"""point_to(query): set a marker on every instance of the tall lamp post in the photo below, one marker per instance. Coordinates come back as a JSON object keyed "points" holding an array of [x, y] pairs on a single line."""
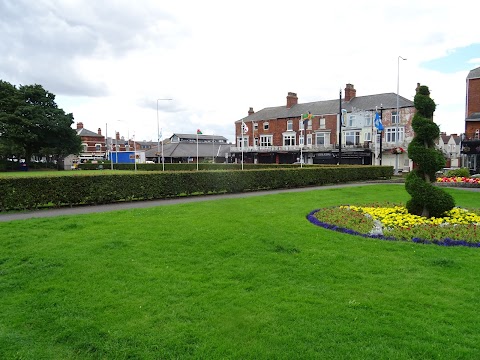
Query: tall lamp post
{"points": [[158, 137], [340, 126], [397, 135]]}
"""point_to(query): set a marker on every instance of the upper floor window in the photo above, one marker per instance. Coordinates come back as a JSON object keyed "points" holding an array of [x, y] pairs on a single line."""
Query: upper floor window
{"points": [[351, 120], [309, 139], [265, 125], [242, 141], [84, 147], [288, 140], [367, 136], [322, 123], [290, 125], [255, 126], [98, 147], [266, 140], [301, 124], [391, 135], [394, 117], [368, 119], [352, 137]]}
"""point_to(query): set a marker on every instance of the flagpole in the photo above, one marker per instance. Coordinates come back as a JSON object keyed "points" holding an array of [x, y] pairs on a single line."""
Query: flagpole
{"points": [[241, 126], [301, 145]]}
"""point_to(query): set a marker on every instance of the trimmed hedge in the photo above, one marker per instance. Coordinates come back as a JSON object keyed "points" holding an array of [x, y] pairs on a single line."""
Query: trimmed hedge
{"points": [[106, 165], [30, 193]]}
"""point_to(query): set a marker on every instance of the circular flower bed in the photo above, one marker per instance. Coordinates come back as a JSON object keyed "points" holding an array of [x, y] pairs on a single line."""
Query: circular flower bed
{"points": [[457, 226]]}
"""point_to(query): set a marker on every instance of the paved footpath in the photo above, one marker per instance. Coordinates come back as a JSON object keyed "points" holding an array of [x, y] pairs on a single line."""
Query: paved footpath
{"points": [[44, 213]]}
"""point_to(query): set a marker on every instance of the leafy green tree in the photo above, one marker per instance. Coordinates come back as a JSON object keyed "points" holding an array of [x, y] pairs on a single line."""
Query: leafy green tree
{"points": [[426, 199], [30, 120]]}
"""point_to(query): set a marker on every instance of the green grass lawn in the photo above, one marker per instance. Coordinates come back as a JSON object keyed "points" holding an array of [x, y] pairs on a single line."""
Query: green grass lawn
{"points": [[246, 278]]}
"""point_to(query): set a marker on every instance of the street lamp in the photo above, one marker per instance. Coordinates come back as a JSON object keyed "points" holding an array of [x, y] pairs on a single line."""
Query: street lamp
{"points": [[158, 137], [397, 135]]}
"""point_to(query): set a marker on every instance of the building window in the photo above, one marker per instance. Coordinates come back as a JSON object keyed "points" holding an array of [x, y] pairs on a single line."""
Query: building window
{"points": [[265, 126], [300, 140], [256, 141], [309, 124], [352, 138], [351, 120], [84, 147], [309, 140], [391, 135], [266, 140], [320, 139], [98, 147], [368, 119], [288, 140], [255, 126], [322, 123], [367, 136], [394, 118], [290, 125], [242, 141]]}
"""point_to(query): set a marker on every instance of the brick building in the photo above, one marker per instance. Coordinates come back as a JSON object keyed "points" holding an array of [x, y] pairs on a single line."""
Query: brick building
{"points": [[471, 138], [277, 134], [93, 144]]}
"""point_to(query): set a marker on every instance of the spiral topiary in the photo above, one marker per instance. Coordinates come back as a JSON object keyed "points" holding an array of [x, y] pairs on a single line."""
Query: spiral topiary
{"points": [[427, 200]]}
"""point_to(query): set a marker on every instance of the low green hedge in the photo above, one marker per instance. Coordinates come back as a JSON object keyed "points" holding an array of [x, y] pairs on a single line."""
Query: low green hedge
{"points": [[30, 193], [106, 165]]}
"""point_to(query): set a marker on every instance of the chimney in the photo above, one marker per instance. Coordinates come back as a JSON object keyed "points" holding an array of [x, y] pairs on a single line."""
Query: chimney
{"points": [[79, 125], [99, 131], [117, 136], [250, 111], [350, 92], [292, 99]]}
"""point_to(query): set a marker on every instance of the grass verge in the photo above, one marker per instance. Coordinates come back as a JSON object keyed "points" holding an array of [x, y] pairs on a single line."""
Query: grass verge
{"points": [[234, 279]]}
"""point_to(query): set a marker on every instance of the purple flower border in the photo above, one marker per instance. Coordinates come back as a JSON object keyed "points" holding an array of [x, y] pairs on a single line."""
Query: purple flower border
{"points": [[444, 242]]}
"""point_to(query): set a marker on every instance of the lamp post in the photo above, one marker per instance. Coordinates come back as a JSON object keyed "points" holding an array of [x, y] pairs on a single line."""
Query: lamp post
{"points": [[397, 135], [158, 137]]}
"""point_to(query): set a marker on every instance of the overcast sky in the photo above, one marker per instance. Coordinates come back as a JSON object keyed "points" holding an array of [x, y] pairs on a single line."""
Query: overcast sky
{"points": [[109, 61]]}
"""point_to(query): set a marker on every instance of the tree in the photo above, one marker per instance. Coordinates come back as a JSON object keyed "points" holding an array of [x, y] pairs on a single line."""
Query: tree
{"points": [[427, 200], [30, 120]]}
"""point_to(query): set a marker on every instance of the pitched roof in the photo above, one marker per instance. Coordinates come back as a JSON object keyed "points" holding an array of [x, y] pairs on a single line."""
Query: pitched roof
{"points": [[182, 150], [200, 137], [85, 132], [474, 74], [369, 102]]}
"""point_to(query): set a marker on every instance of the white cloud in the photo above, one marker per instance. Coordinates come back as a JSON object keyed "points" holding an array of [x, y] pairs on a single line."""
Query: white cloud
{"points": [[112, 60]]}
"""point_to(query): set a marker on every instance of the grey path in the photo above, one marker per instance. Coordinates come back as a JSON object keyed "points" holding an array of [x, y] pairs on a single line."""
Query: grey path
{"points": [[145, 204]]}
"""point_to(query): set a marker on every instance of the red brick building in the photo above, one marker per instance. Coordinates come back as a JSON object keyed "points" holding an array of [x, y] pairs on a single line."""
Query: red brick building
{"points": [[277, 134], [471, 140], [93, 144]]}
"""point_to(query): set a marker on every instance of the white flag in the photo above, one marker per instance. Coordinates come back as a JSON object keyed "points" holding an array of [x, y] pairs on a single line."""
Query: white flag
{"points": [[244, 127]]}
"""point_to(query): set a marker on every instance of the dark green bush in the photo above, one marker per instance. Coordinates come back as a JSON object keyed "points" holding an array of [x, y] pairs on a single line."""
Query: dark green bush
{"points": [[462, 172], [426, 200], [34, 192]]}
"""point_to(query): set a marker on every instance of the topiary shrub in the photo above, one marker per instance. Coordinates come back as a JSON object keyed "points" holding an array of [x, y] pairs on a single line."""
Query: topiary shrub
{"points": [[427, 200]]}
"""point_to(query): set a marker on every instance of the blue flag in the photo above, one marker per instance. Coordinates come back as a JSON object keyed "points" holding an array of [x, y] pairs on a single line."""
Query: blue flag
{"points": [[378, 122]]}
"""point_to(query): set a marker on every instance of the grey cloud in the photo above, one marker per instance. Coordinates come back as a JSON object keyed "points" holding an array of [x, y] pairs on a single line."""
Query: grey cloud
{"points": [[43, 39]]}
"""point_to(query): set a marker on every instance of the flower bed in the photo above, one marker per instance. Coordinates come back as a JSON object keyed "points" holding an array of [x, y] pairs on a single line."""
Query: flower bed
{"points": [[460, 181], [457, 226]]}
